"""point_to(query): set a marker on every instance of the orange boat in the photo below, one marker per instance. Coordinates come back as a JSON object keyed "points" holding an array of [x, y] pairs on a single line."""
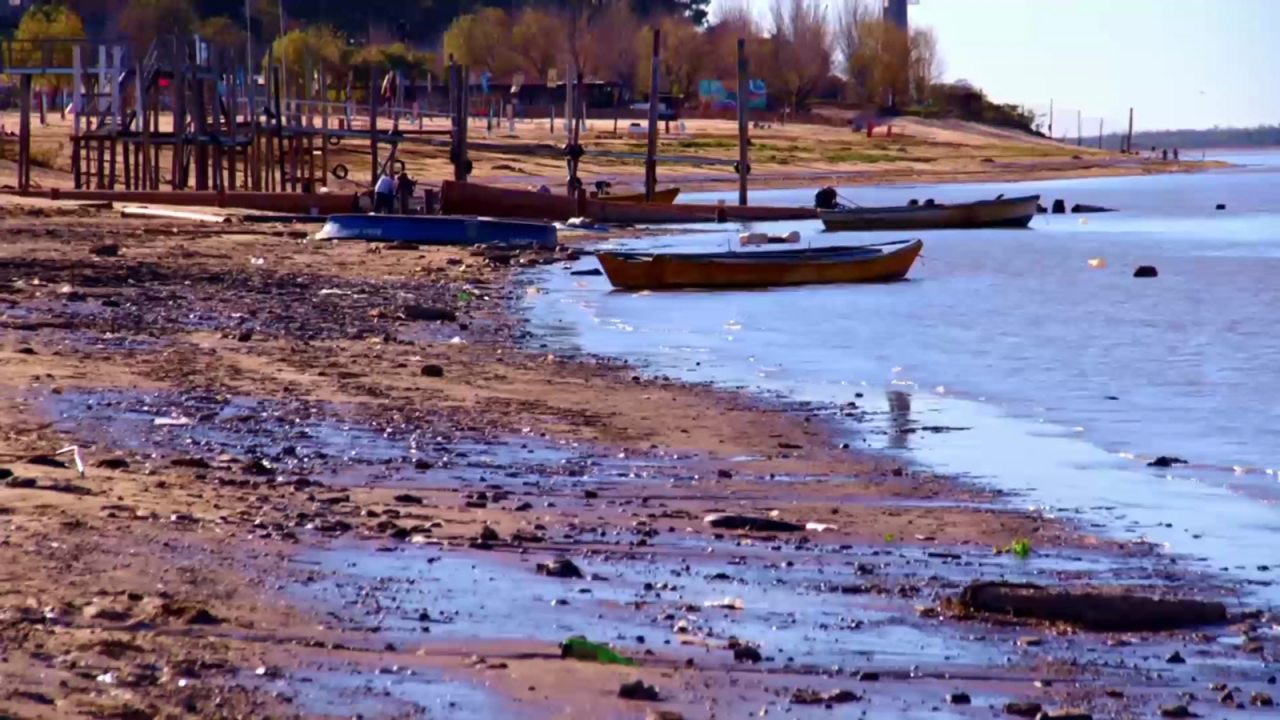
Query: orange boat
{"points": [[660, 197], [722, 270]]}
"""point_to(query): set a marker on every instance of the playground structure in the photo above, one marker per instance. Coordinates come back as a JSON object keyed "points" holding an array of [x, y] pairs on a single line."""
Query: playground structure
{"points": [[201, 115]]}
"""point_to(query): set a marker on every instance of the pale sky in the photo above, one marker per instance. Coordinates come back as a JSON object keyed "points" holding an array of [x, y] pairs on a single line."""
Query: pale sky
{"points": [[1179, 63]]}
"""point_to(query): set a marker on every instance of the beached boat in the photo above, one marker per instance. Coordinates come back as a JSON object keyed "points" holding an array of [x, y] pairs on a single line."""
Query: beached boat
{"points": [[1000, 212], [474, 199], [771, 268], [438, 230], [660, 197]]}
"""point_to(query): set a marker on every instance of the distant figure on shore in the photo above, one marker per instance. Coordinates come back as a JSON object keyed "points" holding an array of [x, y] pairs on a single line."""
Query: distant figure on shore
{"points": [[1175, 154], [1164, 154], [404, 191], [384, 195]]}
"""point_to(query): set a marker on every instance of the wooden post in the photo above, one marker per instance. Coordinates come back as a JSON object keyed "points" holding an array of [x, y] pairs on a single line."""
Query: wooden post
{"points": [[743, 167], [458, 92], [117, 107], [179, 125], [1051, 119], [218, 155], [233, 122], [651, 153], [279, 148], [324, 119], [201, 117], [1129, 141], [1099, 133], [24, 134], [1079, 129], [373, 126], [251, 99], [77, 104]]}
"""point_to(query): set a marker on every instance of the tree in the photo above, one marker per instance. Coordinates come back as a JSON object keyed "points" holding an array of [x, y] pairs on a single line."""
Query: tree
{"points": [[145, 20], [797, 55], [321, 47], [682, 54], [48, 23], [924, 66], [481, 41], [222, 33], [610, 52], [733, 21], [535, 38]]}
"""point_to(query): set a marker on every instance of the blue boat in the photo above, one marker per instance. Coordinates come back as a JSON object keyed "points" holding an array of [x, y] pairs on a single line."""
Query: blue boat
{"points": [[439, 230]]}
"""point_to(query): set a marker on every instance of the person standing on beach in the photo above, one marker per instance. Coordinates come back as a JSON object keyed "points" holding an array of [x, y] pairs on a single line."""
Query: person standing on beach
{"points": [[384, 195], [404, 192]]}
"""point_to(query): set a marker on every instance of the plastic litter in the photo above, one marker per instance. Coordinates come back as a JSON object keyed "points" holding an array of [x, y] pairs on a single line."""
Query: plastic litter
{"points": [[578, 647], [729, 603], [75, 453]]}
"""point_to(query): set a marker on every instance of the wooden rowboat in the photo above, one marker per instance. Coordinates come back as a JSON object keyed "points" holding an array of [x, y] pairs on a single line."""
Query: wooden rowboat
{"points": [[1001, 212], [669, 271], [660, 197], [474, 199], [438, 230]]}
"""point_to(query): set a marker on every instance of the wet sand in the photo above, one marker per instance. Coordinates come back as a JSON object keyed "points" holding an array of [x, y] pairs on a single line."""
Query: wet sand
{"points": [[301, 497]]}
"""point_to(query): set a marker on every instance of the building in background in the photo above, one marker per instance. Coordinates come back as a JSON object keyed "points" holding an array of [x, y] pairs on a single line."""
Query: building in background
{"points": [[895, 11]]}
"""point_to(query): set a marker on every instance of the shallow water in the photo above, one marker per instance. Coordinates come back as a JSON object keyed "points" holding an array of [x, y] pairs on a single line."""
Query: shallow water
{"points": [[1067, 378]]}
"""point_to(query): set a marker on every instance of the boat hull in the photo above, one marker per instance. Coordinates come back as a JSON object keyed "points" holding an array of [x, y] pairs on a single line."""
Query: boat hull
{"points": [[438, 230], [630, 271], [660, 197], [473, 199], [1004, 212]]}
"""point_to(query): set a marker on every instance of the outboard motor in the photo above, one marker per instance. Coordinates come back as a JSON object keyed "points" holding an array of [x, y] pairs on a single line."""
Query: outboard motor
{"points": [[826, 199]]}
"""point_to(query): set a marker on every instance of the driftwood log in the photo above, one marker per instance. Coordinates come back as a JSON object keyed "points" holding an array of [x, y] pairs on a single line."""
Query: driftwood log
{"points": [[1089, 610]]}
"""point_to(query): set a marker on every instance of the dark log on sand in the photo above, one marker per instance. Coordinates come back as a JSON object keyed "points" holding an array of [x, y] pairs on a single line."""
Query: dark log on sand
{"points": [[1103, 612]]}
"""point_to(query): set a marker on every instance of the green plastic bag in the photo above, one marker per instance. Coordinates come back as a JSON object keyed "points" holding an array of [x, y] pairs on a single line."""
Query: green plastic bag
{"points": [[578, 647]]}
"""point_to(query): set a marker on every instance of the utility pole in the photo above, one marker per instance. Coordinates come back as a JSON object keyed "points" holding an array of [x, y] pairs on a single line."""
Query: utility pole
{"points": [[1079, 128], [1051, 118], [1099, 133], [1129, 143]]}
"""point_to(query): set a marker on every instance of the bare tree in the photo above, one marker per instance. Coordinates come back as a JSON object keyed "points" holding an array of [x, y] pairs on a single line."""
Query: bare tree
{"points": [[611, 48], [799, 50], [925, 65], [851, 15]]}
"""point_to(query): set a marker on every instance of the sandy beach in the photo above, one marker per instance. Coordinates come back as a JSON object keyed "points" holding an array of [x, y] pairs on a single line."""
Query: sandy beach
{"points": [[319, 479]]}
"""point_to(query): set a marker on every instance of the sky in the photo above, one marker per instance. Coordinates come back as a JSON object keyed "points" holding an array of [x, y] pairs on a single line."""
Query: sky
{"points": [[1178, 63]]}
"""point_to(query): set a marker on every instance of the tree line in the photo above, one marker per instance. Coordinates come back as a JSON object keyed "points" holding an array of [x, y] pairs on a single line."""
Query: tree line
{"points": [[804, 51]]}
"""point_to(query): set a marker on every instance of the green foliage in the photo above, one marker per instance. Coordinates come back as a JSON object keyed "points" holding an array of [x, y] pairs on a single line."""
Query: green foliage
{"points": [[399, 58], [47, 23], [1020, 547], [481, 41], [322, 46], [145, 20], [962, 101], [222, 33]]}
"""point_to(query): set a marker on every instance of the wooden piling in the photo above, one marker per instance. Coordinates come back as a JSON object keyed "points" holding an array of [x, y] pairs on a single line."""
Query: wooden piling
{"points": [[24, 134], [279, 144], [201, 117], [744, 168], [1129, 141], [178, 178], [373, 126], [324, 119], [651, 161]]}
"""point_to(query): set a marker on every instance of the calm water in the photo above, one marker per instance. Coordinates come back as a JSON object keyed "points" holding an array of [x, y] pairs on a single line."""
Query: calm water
{"points": [[1066, 378]]}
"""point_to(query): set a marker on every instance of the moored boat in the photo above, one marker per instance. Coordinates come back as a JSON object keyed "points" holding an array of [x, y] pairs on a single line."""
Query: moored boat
{"points": [[670, 271], [459, 198], [1000, 212], [438, 230], [660, 197]]}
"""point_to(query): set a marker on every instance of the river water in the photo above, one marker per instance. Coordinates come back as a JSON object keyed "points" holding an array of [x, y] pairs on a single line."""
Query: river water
{"points": [[1053, 378]]}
